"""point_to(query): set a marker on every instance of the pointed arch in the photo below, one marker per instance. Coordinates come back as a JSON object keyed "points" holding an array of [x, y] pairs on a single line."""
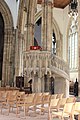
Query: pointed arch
{"points": [[6, 13], [72, 43], [8, 53], [56, 31]]}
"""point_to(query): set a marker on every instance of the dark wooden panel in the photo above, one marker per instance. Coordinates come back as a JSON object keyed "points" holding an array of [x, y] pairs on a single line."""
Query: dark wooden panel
{"points": [[19, 81]]}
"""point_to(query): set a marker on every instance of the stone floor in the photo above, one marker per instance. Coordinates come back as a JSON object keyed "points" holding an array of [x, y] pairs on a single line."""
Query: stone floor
{"points": [[31, 116]]}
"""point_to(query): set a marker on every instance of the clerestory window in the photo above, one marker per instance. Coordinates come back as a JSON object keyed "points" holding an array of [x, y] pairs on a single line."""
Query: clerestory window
{"points": [[73, 46]]}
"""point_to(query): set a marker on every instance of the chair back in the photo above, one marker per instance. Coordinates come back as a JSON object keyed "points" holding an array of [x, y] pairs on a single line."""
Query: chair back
{"points": [[68, 108], [54, 103], [46, 93], [62, 102], [46, 99], [54, 96], [77, 107], [60, 96], [29, 99], [71, 99], [38, 98]]}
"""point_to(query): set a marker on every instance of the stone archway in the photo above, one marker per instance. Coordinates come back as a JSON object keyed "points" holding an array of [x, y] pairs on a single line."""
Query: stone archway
{"points": [[8, 52], [1, 43], [56, 30]]}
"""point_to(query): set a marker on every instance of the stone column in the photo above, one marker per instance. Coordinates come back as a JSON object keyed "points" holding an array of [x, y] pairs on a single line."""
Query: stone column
{"points": [[47, 8], [31, 9], [61, 85], [8, 58], [79, 46], [17, 53]]}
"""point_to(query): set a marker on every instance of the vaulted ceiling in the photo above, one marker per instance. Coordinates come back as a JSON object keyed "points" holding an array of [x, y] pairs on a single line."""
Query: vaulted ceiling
{"points": [[58, 3]]}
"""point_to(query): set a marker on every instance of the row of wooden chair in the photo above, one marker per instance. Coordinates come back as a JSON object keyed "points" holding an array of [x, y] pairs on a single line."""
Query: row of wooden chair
{"points": [[57, 105], [64, 108], [11, 99], [55, 96], [44, 102], [69, 111], [33, 101]]}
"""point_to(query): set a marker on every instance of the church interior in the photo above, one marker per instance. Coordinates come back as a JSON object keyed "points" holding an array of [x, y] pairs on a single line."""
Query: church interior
{"points": [[40, 48]]}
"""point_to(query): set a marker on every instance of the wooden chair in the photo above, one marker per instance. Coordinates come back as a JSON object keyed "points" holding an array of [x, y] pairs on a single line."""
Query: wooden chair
{"points": [[45, 103], [8, 100], [46, 99], [61, 103], [12, 100], [60, 96], [46, 93], [27, 102], [54, 104], [3, 101], [3, 96], [54, 96], [38, 101], [66, 113], [71, 99], [20, 96], [15, 92], [76, 110]]}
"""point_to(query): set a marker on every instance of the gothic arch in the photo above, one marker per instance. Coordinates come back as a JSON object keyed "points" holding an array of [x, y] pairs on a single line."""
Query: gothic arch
{"points": [[69, 23], [5, 11], [57, 33], [7, 70]]}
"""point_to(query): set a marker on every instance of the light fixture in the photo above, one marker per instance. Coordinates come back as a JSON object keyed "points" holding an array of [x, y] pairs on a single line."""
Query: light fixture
{"points": [[73, 10]]}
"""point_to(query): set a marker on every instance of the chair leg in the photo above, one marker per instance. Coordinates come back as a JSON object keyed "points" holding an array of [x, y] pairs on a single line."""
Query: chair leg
{"points": [[9, 108], [1, 110], [71, 118], [49, 116], [35, 109], [61, 118], [79, 117], [24, 111], [17, 111]]}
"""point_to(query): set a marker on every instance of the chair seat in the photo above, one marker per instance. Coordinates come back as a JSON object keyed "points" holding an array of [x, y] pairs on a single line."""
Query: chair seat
{"points": [[60, 113], [76, 112]]}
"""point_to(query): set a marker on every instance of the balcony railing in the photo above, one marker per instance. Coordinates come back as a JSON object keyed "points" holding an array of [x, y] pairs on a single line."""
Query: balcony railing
{"points": [[43, 60]]}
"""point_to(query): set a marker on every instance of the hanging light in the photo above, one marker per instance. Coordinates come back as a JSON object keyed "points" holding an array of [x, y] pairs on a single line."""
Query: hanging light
{"points": [[73, 10]]}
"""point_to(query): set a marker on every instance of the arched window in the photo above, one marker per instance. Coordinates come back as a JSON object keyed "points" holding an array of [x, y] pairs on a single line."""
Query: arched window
{"points": [[53, 44], [1, 43], [37, 33], [37, 36], [73, 46]]}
